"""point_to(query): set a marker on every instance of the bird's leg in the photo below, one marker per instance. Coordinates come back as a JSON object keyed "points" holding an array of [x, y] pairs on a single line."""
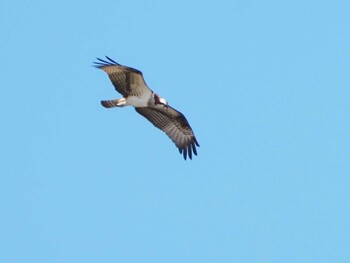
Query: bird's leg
{"points": [[114, 103], [121, 102]]}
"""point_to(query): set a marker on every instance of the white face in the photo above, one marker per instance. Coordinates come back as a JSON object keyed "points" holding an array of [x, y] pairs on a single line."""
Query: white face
{"points": [[163, 101]]}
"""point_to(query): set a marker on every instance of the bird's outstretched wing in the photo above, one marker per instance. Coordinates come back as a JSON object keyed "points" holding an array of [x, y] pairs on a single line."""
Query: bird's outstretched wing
{"points": [[175, 125], [126, 80]]}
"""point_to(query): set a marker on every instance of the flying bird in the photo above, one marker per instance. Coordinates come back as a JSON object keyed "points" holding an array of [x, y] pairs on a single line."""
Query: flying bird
{"points": [[129, 82]]}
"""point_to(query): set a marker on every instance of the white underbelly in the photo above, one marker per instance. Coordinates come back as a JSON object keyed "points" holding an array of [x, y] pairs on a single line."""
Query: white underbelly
{"points": [[137, 101]]}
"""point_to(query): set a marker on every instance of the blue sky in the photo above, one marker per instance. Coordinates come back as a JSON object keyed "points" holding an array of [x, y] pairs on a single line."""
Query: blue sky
{"points": [[265, 86]]}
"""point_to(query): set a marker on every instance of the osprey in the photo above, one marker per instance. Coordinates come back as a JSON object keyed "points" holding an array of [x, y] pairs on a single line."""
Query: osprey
{"points": [[130, 83]]}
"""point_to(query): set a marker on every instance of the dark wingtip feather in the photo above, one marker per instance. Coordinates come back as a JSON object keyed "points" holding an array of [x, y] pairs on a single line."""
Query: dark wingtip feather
{"points": [[194, 148], [189, 151], [196, 142], [185, 153], [101, 62], [98, 64], [112, 60]]}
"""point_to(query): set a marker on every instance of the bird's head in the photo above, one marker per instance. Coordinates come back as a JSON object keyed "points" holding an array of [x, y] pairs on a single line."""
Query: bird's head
{"points": [[163, 101], [159, 100]]}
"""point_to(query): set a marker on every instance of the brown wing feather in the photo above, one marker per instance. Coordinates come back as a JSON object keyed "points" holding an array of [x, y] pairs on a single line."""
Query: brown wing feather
{"points": [[126, 80], [175, 125]]}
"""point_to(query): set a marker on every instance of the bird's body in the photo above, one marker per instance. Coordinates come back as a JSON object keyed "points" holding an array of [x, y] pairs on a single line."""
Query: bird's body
{"points": [[130, 83], [138, 101]]}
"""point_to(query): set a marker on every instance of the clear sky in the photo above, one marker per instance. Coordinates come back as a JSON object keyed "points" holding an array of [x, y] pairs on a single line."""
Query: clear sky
{"points": [[264, 84]]}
